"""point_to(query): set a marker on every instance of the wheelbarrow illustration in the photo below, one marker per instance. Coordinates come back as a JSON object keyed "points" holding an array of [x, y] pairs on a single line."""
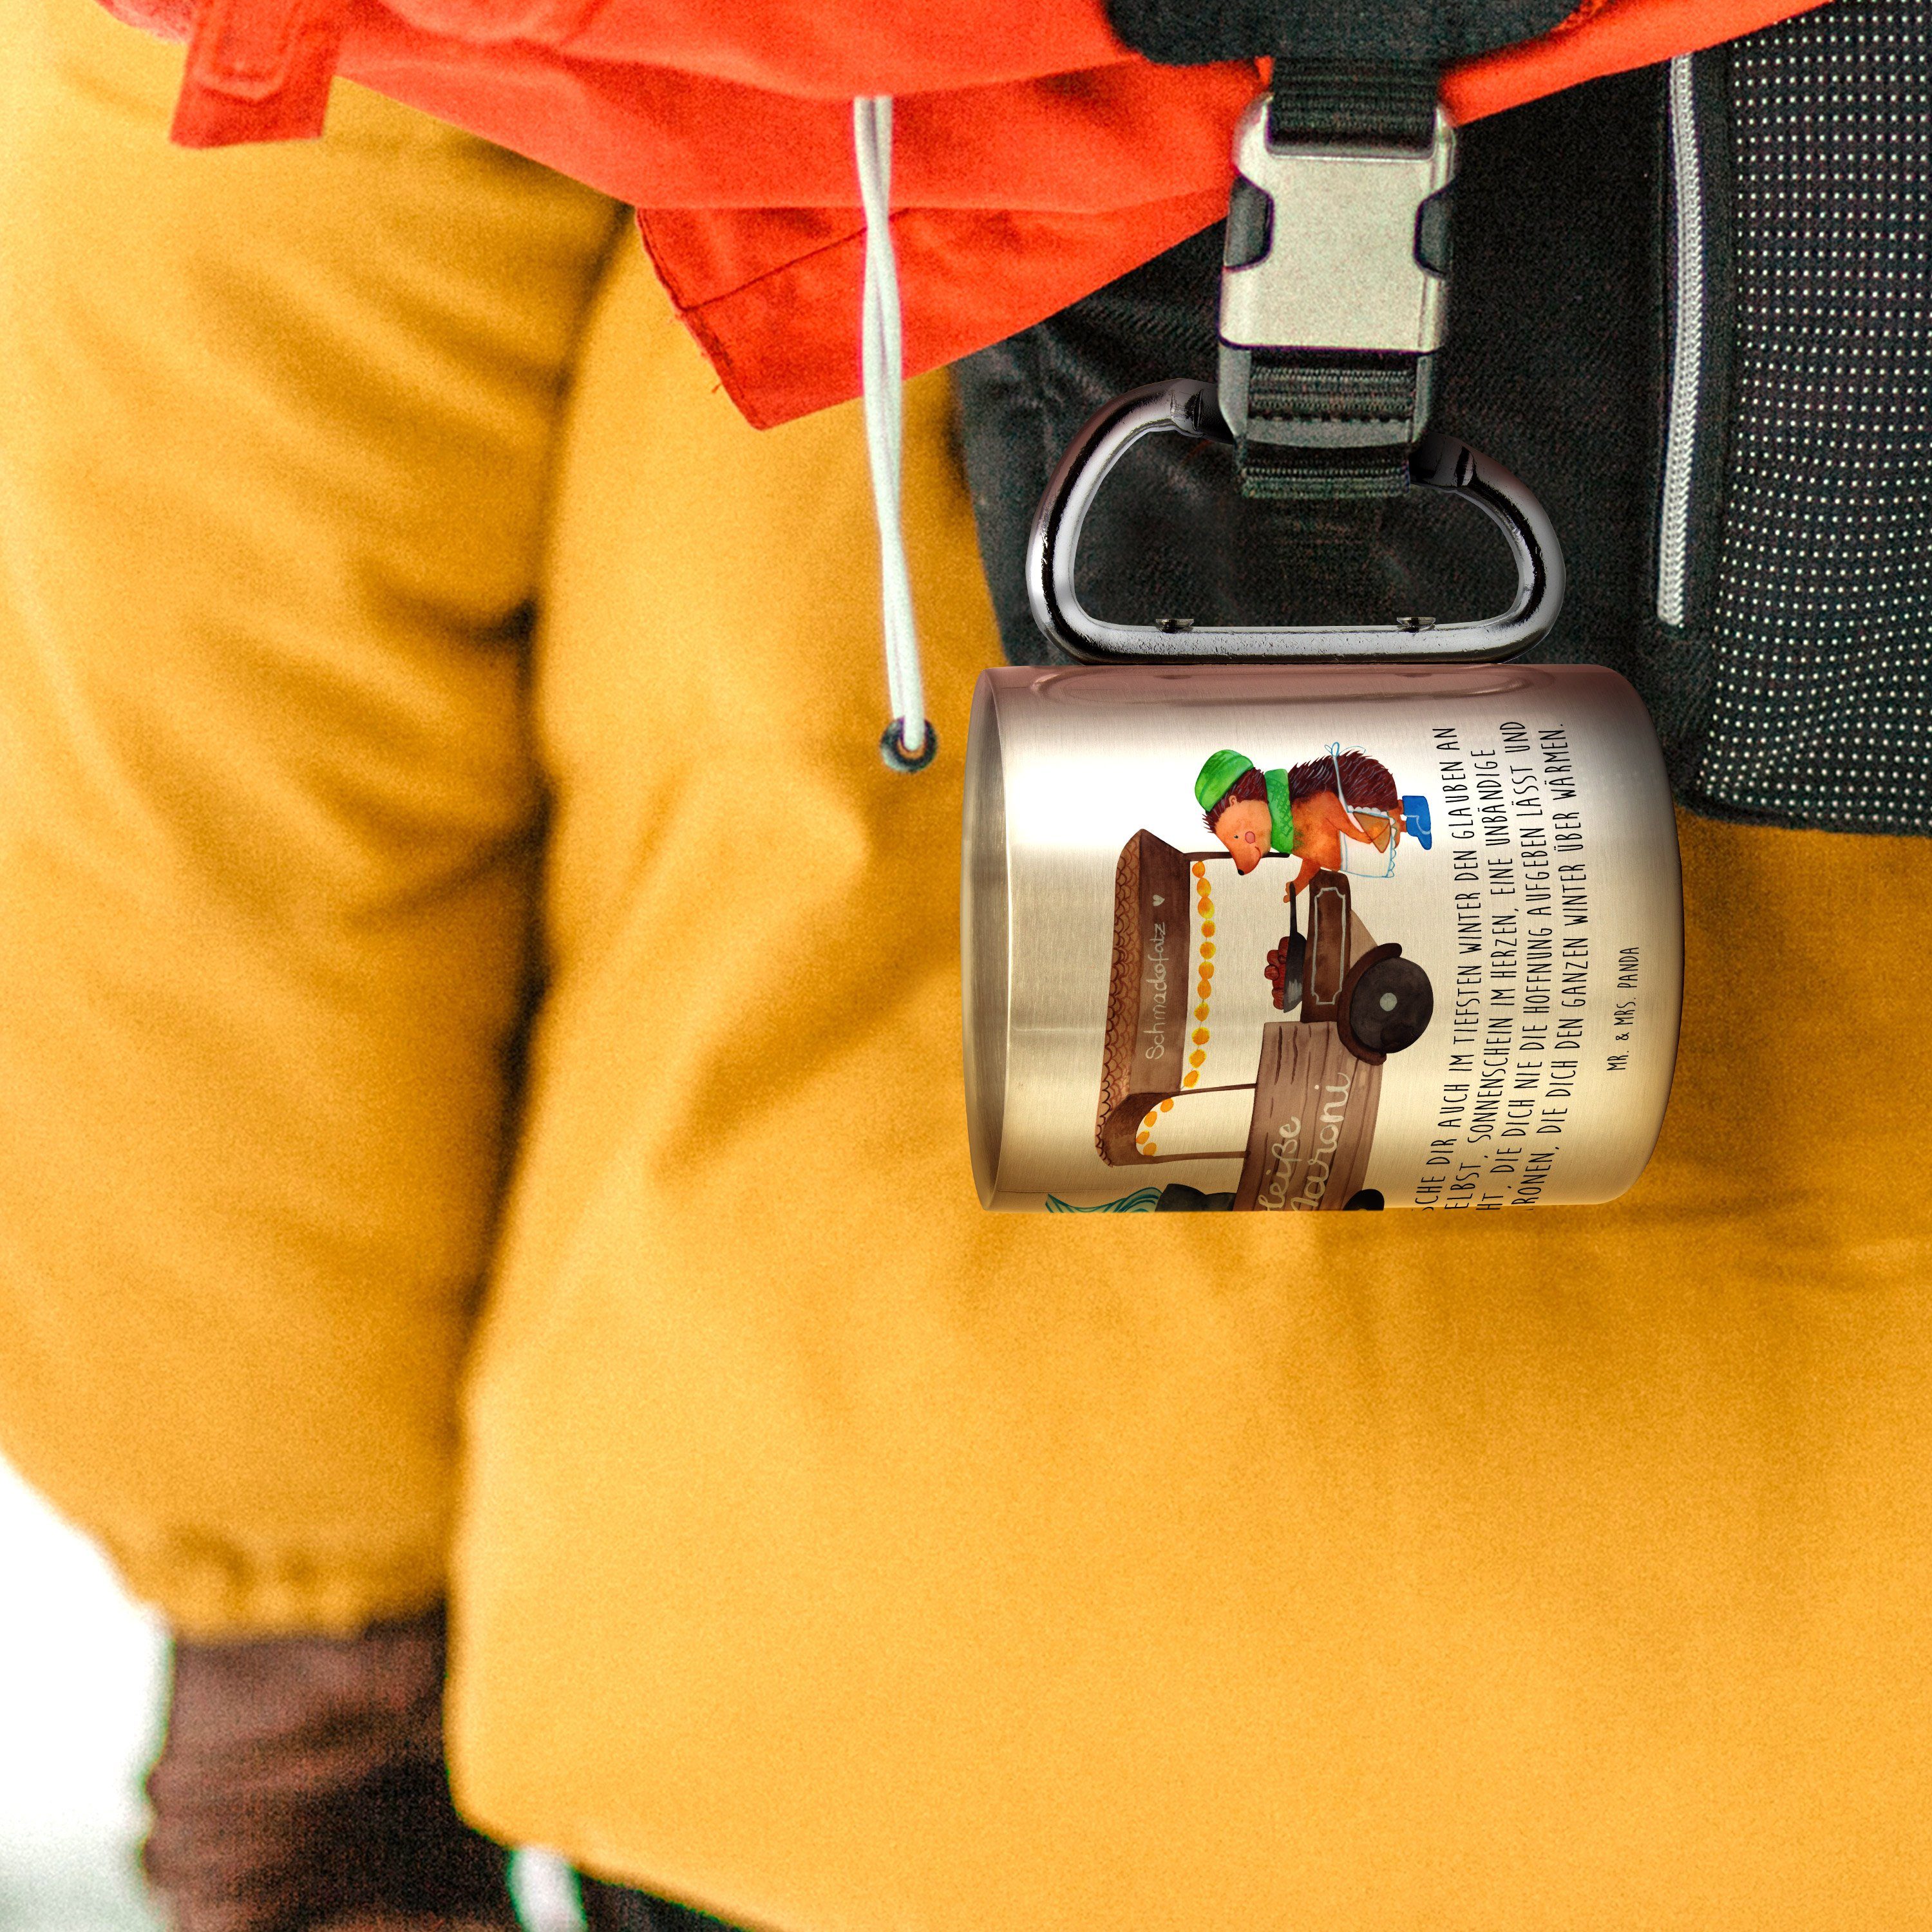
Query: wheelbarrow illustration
{"points": [[1349, 1002]]}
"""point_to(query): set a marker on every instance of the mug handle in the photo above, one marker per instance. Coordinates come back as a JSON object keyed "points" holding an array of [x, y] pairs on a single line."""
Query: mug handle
{"points": [[1190, 408]]}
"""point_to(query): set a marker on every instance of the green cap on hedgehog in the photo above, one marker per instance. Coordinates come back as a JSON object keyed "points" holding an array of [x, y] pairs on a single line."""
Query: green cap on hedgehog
{"points": [[1248, 811]]}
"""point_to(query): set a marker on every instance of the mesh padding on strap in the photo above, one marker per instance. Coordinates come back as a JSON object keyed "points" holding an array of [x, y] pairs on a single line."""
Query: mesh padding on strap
{"points": [[1823, 698]]}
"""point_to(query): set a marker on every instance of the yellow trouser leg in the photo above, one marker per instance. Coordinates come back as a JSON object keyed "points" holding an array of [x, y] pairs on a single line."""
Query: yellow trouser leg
{"points": [[275, 432], [846, 1558]]}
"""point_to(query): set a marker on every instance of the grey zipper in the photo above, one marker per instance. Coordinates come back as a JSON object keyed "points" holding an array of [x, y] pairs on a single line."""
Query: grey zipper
{"points": [[1686, 354]]}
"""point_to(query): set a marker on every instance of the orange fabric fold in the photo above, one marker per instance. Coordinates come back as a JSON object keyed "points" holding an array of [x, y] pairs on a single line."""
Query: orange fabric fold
{"points": [[785, 342], [1035, 158]]}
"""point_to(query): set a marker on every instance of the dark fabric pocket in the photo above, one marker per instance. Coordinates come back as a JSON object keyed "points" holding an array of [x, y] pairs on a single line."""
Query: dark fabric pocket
{"points": [[1808, 624]]}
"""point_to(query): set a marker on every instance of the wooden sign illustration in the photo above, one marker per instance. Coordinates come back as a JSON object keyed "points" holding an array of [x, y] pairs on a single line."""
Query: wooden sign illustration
{"points": [[1348, 1003]]}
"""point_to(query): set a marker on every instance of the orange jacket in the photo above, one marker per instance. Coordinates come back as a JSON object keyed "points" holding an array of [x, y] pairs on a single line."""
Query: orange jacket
{"points": [[1036, 157]]}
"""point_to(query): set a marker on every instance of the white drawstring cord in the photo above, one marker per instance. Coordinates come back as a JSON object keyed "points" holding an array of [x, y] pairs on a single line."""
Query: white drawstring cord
{"points": [[909, 742]]}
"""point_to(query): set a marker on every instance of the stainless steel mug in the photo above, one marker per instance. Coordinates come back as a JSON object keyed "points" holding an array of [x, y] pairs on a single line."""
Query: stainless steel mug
{"points": [[1302, 938]]}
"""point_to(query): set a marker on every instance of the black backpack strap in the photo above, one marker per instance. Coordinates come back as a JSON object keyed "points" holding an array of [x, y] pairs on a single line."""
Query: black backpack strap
{"points": [[1324, 412], [1333, 283]]}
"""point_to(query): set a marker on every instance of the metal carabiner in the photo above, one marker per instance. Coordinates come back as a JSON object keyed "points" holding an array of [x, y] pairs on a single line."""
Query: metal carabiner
{"points": [[1190, 408]]}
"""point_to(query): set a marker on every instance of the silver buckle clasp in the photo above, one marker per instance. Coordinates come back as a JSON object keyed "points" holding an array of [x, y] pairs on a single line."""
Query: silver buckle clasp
{"points": [[1344, 250]]}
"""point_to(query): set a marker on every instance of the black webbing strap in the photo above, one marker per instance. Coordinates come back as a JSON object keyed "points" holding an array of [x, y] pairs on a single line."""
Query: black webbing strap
{"points": [[1297, 392], [1351, 103], [1312, 387]]}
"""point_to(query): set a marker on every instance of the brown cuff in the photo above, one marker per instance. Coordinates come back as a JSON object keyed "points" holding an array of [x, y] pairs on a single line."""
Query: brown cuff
{"points": [[302, 1782]]}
